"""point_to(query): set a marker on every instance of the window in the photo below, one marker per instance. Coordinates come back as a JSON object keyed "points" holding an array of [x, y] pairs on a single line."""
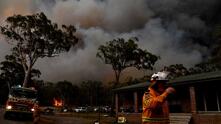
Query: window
{"points": [[208, 98]]}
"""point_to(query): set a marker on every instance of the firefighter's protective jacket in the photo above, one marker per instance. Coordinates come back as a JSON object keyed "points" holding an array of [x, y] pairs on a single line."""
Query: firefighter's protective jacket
{"points": [[155, 108]]}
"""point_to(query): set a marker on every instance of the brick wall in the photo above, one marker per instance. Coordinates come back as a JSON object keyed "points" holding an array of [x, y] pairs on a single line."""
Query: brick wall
{"points": [[208, 118], [200, 118]]}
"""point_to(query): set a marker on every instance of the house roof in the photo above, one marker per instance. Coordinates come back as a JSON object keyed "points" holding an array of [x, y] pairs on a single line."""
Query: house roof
{"points": [[184, 80], [132, 87], [197, 78]]}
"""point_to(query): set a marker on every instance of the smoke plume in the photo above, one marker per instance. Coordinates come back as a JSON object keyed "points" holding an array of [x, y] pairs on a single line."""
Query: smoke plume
{"points": [[175, 30]]}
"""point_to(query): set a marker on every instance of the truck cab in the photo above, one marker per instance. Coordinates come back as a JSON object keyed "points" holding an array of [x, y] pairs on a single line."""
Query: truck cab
{"points": [[21, 101]]}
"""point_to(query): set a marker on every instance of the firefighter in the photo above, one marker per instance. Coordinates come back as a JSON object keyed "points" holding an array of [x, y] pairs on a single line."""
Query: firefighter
{"points": [[155, 105]]}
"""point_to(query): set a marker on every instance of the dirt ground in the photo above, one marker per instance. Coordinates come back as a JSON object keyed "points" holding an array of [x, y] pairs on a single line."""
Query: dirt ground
{"points": [[76, 118]]}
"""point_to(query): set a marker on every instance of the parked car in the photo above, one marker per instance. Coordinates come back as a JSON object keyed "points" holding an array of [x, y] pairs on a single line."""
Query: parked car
{"points": [[102, 109], [90, 109], [126, 109], [107, 109], [66, 109], [48, 111], [80, 109], [96, 109]]}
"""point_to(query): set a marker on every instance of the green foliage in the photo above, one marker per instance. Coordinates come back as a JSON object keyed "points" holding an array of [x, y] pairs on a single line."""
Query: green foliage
{"points": [[213, 62], [94, 93], [131, 81], [176, 70], [66, 91], [121, 54], [91, 90], [204, 67], [13, 73], [46, 94], [4, 90], [35, 36], [91, 93]]}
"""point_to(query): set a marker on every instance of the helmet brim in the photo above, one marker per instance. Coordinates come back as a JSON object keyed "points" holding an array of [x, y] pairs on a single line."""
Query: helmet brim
{"points": [[154, 82]]}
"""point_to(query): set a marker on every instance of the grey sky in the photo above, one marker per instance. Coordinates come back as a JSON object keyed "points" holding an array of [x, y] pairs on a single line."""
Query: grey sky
{"points": [[163, 28]]}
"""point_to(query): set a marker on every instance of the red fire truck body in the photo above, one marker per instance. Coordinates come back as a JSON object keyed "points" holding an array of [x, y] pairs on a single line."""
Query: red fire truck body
{"points": [[21, 101]]}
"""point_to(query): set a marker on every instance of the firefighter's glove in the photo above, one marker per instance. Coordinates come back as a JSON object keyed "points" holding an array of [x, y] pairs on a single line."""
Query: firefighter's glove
{"points": [[170, 90]]}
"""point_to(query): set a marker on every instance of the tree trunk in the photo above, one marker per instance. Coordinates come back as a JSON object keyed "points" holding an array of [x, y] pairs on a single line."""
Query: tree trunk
{"points": [[27, 75], [117, 75], [9, 86]]}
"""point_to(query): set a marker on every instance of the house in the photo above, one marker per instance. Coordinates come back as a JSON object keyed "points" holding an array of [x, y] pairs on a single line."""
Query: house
{"points": [[198, 96]]}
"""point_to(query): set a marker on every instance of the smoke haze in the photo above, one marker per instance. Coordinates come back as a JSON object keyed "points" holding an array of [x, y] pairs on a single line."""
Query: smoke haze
{"points": [[176, 30]]}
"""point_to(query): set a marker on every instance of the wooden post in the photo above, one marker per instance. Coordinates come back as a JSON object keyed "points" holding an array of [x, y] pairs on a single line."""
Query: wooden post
{"points": [[135, 102], [217, 100], [192, 99], [204, 102], [116, 104]]}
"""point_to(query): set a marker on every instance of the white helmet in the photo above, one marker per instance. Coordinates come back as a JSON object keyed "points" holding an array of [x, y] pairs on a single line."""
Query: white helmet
{"points": [[160, 76]]}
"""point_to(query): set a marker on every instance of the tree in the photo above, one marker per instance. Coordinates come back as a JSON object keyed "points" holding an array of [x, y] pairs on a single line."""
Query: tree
{"points": [[91, 91], [46, 94], [176, 70], [13, 73], [35, 36], [65, 91], [213, 62], [207, 66], [121, 54], [3, 92]]}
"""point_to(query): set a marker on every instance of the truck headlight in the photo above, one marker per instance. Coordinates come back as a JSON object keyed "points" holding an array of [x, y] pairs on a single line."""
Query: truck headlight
{"points": [[8, 107], [32, 109]]}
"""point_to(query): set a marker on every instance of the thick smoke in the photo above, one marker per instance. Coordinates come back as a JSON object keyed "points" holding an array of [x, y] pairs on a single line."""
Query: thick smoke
{"points": [[9, 8], [81, 64], [107, 15], [173, 29]]}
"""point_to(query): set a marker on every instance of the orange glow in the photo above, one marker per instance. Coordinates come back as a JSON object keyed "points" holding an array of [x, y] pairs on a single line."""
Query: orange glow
{"points": [[16, 7], [58, 102]]}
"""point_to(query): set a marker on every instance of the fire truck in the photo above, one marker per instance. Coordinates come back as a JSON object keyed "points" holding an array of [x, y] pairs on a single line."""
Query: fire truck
{"points": [[21, 102]]}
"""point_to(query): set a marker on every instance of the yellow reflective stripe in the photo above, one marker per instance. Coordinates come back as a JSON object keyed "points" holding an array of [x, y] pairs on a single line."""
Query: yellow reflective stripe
{"points": [[146, 100], [155, 119]]}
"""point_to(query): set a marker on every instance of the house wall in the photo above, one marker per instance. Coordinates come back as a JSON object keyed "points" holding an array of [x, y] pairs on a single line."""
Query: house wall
{"points": [[200, 118], [207, 118], [181, 103], [127, 100]]}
